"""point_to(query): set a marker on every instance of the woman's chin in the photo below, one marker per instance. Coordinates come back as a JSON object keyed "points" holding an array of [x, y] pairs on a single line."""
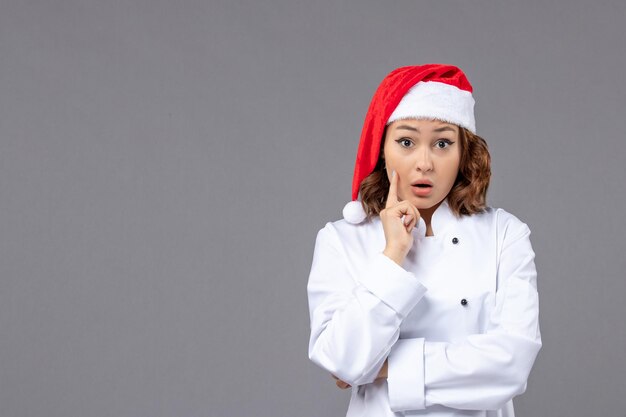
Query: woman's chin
{"points": [[424, 203]]}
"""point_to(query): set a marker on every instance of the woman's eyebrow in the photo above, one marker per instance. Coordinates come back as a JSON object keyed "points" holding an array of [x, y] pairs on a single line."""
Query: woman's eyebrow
{"points": [[414, 129]]}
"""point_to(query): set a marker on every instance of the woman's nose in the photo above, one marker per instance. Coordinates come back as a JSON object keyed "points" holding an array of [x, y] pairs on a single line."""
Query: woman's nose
{"points": [[424, 161]]}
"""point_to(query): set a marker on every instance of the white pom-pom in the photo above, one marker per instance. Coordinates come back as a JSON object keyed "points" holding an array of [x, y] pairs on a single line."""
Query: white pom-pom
{"points": [[353, 212]]}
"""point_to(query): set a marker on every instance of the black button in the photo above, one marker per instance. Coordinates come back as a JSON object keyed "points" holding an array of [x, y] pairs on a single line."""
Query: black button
{"points": [[455, 240], [463, 302]]}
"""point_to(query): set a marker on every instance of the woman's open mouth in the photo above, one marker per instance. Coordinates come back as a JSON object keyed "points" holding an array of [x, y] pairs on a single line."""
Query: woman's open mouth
{"points": [[421, 190]]}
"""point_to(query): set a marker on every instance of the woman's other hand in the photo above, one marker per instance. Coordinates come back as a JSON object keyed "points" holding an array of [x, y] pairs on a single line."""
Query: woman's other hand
{"points": [[341, 384], [381, 374], [398, 236]]}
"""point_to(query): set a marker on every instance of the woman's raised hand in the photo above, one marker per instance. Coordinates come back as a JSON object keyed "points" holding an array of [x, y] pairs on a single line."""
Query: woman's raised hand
{"points": [[398, 218]]}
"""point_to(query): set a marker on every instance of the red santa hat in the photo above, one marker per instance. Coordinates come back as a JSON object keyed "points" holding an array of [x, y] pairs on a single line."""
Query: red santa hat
{"points": [[433, 91]]}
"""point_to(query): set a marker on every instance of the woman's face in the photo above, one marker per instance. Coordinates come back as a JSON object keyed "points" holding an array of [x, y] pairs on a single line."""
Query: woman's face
{"points": [[423, 150]]}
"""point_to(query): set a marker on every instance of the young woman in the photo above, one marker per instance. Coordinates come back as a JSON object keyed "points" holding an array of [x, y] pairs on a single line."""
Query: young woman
{"points": [[423, 299]]}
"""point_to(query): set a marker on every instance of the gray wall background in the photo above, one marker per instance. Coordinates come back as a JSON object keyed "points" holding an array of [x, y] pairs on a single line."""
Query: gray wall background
{"points": [[165, 167]]}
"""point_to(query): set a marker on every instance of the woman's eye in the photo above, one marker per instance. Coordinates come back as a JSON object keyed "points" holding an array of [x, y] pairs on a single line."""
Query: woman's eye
{"points": [[404, 141], [443, 143]]}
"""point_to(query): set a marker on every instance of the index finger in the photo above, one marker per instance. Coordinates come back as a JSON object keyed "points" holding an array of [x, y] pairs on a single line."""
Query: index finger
{"points": [[392, 197]]}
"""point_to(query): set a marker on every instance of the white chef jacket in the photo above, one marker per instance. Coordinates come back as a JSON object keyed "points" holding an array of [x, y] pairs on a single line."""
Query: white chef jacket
{"points": [[458, 321]]}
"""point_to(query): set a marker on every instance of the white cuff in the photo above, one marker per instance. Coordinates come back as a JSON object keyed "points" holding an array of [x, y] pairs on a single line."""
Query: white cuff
{"points": [[397, 287], [405, 375]]}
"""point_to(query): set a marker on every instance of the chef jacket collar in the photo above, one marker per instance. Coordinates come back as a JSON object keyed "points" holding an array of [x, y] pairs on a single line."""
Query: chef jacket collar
{"points": [[443, 218]]}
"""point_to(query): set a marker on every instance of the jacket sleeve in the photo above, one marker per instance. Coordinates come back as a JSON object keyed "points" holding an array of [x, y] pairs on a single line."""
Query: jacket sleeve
{"points": [[483, 371], [355, 320]]}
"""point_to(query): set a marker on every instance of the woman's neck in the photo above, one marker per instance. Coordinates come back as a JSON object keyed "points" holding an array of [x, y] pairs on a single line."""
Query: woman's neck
{"points": [[427, 215]]}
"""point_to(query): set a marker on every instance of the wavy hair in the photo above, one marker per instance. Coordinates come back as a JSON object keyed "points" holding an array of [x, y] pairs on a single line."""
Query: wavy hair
{"points": [[468, 194]]}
